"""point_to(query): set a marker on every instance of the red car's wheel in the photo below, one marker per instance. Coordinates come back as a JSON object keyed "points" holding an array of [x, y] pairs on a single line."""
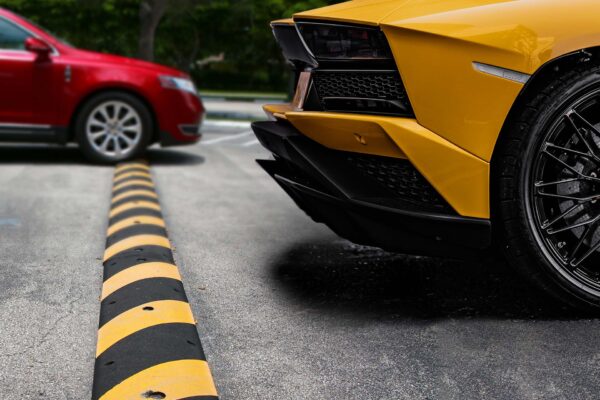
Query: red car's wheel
{"points": [[113, 127]]}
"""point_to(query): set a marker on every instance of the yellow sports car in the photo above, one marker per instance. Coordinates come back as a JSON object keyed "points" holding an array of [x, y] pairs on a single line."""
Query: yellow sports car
{"points": [[447, 127]]}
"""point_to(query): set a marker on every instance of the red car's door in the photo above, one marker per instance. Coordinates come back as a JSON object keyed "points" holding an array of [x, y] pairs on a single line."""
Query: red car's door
{"points": [[26, 86], [16, 75]]}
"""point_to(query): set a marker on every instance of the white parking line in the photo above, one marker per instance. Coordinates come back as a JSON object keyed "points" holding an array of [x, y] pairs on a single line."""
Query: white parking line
{"points": [[212, 124], [250, 143], [10, 222], [227, 138]]}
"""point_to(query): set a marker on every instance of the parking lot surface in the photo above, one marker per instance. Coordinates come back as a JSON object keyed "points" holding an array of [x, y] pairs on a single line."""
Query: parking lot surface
{"points": [[285, 309]]}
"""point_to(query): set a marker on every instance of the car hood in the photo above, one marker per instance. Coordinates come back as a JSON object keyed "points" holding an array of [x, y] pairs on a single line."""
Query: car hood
{"points": [[375, 12], [102, 58]]}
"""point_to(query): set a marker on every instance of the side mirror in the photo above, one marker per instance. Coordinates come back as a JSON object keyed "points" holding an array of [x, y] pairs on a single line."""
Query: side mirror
{"points": [[39, 47]]}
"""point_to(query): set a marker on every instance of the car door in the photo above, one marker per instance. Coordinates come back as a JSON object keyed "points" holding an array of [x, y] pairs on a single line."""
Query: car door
{"points": [[16, 75]]}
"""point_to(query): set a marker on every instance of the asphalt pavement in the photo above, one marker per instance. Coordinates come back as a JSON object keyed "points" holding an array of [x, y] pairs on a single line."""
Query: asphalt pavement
{"points": [[285, 308]]}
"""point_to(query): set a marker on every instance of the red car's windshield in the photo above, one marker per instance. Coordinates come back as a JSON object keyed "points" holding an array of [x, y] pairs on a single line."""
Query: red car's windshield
{"points": [[35, 28]]}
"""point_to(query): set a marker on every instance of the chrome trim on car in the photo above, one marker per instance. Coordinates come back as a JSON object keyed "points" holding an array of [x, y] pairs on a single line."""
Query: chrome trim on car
{"points": [[26, 129], [24, 126], [500, 72]]}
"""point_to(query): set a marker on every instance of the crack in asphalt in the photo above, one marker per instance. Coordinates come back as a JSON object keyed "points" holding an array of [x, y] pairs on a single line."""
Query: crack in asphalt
{"points": [[48, 333]]}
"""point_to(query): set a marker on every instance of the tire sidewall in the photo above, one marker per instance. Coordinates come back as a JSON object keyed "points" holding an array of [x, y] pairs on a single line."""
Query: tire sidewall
{"points": [[95, 101]]}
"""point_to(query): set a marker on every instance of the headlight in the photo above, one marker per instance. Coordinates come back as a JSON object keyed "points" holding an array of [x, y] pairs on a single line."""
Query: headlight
{"points": [[344, 42], [172, 82]]}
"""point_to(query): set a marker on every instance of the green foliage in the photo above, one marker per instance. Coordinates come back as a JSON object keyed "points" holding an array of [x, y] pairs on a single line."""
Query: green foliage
{"points": [[107, 26], [191, 30]]}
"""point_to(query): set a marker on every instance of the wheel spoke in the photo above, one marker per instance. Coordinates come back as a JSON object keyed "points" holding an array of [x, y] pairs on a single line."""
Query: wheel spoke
{"points": [[103, 111], [97, 135], [126, 139], [570, 168], [568, 150], [132, 128], [564, 164], [580, 243], [587, 254], [573, 226], [116, 145], [97, 123], [561, 216], [545, 184], [588, 129], [116, 111], [128, 116], [104, 145], [584, 199]]}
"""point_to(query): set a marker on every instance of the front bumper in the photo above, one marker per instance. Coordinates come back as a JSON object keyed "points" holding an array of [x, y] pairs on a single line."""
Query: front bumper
{"points": [[180, 115], [330, 189]]}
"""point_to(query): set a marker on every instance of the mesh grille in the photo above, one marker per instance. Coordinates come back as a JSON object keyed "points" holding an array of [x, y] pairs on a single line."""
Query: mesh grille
{"points": [[401, 179], [375, 85]]}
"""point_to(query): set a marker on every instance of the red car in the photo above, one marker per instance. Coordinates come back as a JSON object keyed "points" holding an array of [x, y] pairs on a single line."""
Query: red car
{"points": [[114, 107]]}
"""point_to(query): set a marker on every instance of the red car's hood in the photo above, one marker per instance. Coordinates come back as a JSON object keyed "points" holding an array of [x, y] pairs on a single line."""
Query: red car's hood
{"points": [[103, 58]]}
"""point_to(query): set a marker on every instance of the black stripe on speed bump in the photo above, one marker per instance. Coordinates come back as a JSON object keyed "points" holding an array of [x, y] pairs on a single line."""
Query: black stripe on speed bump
{"points": [[132, 178], [135, 197], [151, 346], [134, 212], [132, 187], [141, 229], [132, 257], [140, 292]]}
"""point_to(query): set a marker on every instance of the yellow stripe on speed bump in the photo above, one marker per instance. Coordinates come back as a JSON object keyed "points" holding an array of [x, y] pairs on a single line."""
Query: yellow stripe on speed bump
{"points": [[144, 316], [131, 205], [131, 166], [135, 220], [126, 175], [139, 272], [148, 344], [136, 241], [177, 380], [135, 182], [137, 192]]}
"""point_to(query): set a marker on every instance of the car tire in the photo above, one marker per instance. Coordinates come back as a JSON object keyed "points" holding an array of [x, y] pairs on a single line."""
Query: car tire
{"points": [[545, 171], [113, 126]]}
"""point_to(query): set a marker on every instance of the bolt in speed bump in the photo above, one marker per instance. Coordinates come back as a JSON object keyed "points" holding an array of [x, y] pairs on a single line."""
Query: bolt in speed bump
{"points": [[148, 345]]}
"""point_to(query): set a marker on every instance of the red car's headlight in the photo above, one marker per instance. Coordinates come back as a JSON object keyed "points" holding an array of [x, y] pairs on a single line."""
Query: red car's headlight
{"points": [[172, 82]]}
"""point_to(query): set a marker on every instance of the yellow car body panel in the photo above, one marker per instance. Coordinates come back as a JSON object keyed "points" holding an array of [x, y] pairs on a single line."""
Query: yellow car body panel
{"points": [[459, 110], [435, 43], [449, 96], [460, 177], [284, 21], [278, 110], [347, 132]]}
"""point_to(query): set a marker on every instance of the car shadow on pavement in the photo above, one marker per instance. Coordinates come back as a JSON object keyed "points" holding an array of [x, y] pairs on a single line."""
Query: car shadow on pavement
{"points": [[173, 157], [342, 277], [60, 155], [40, 154]]}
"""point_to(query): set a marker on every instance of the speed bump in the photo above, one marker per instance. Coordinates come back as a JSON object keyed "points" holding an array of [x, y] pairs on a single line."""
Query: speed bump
{"points": [[148, 346]]}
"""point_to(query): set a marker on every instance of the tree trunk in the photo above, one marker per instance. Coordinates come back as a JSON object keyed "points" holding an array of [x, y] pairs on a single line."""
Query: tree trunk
{"points": [[151, 12]]}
